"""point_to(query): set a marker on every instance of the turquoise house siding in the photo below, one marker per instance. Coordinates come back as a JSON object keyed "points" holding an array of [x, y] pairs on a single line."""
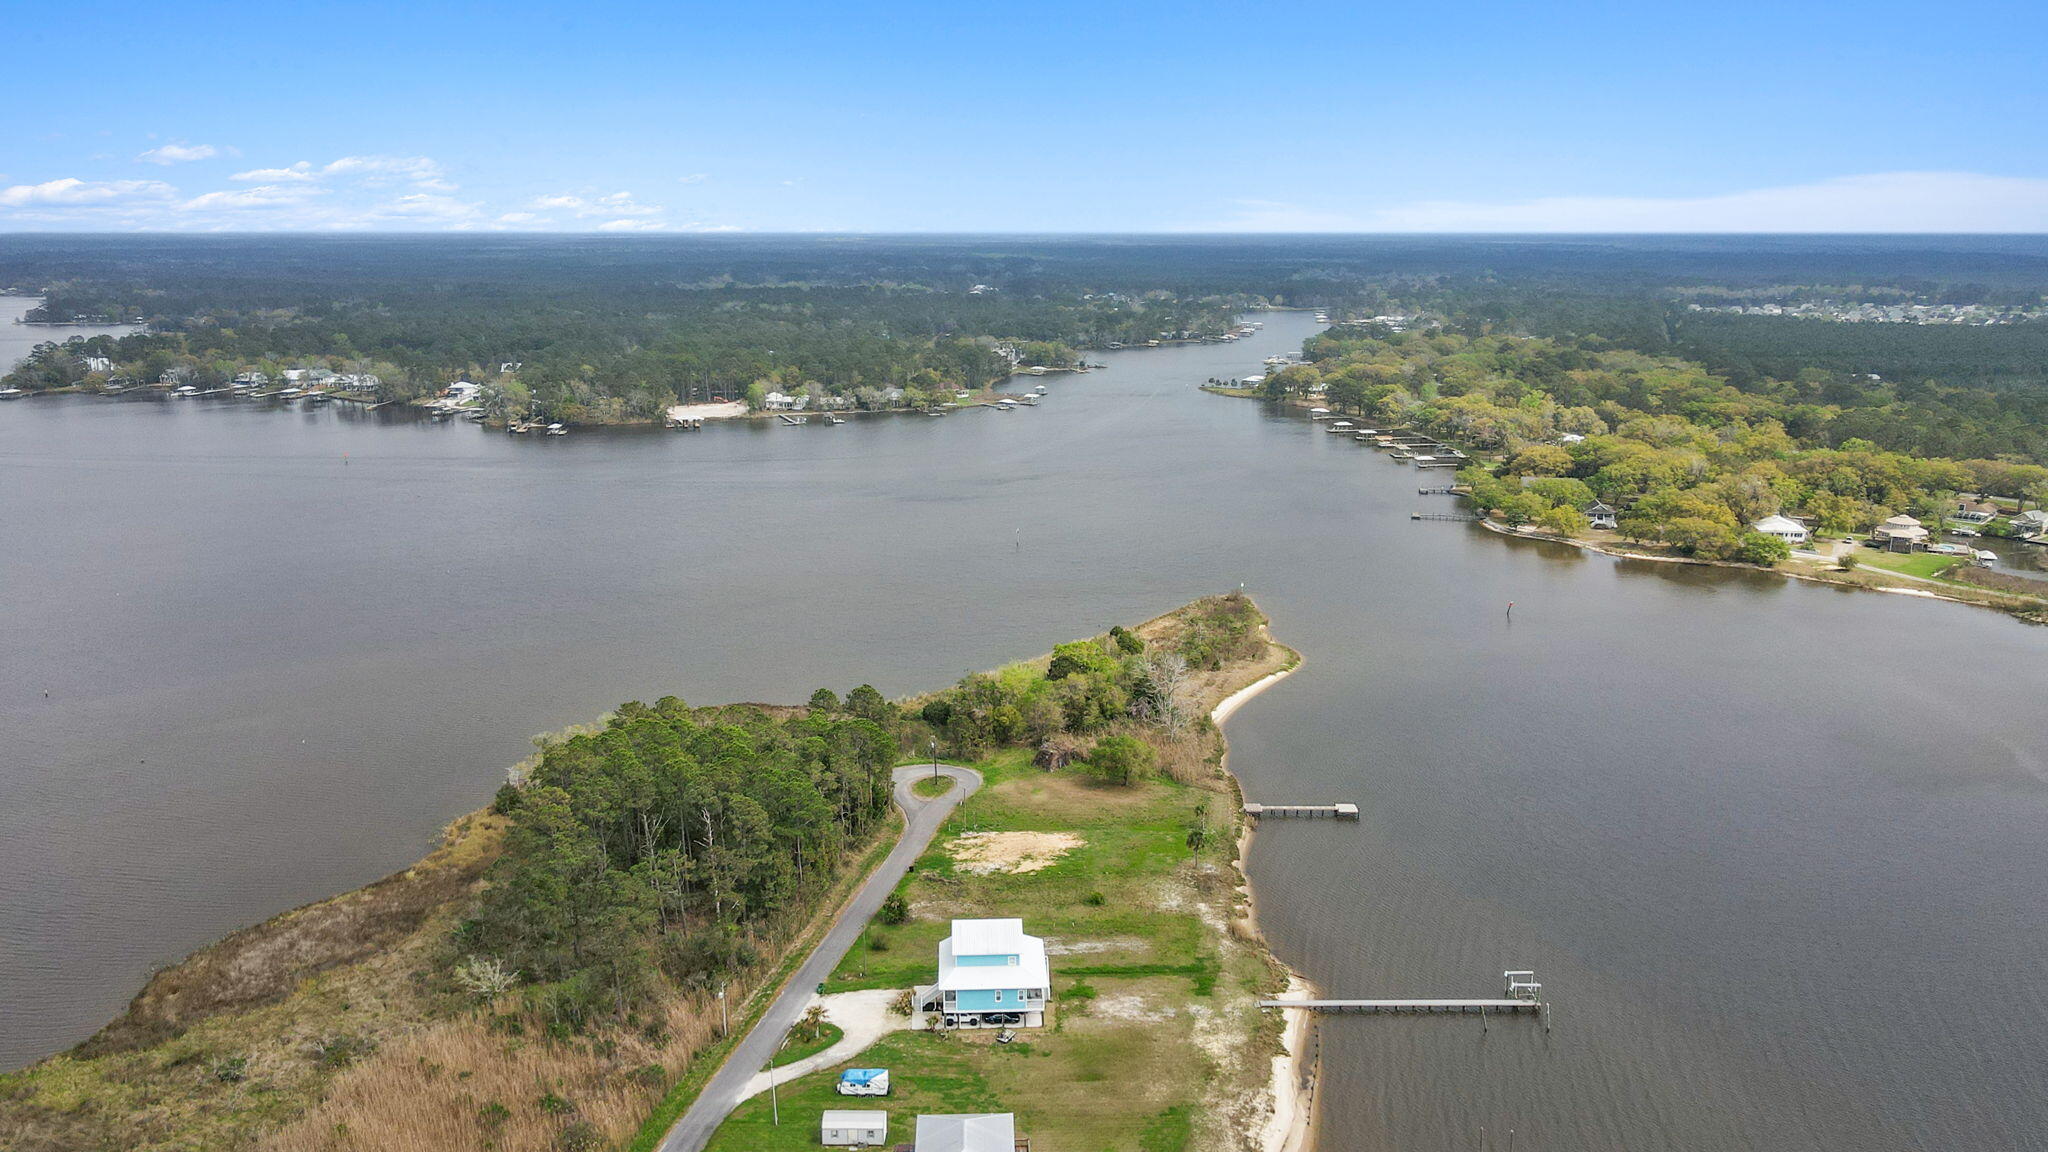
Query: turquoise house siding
{"points": [[984, 1000], [984, 961]]}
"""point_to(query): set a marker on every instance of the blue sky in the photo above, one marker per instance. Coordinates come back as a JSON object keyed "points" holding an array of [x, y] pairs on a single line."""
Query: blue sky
{"points": [[1026, 117]]}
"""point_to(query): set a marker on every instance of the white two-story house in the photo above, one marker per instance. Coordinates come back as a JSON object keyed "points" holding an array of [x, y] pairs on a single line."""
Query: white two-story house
{"points": [[991, 975]]}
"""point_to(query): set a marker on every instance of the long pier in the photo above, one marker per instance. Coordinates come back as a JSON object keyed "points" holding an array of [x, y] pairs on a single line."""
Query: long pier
{"points": [[1417, 1006], [1304, 811], [1521, 996], [1459, 517]]}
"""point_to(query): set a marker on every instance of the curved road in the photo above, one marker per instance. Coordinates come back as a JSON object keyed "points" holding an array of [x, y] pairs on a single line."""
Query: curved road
{"points": [[921, 819]]}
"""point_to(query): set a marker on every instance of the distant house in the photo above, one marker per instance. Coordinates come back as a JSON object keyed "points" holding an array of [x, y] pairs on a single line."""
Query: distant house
{"points": [[1899, 534], [462, 390], [99, 364], [1784, 528], [1571, 438], [1599, 515], [2033, 522], [843, 1129], [986, 1132], [991, 975], [778, 402]]}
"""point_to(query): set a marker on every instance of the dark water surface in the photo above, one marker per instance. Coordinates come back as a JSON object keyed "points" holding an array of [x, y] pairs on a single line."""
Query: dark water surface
{"points": [[1776, 850]]}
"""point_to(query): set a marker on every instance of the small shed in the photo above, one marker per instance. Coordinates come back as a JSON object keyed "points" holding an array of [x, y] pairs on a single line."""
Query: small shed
{"points": [[844, 1129]]}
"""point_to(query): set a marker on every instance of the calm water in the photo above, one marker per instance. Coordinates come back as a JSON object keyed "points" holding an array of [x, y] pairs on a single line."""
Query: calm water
{"points": [[1776, 850], [17, 339]]}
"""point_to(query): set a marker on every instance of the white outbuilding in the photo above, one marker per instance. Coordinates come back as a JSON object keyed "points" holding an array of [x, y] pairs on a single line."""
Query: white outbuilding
{"points": [[1784, 528], [847, 1129]]}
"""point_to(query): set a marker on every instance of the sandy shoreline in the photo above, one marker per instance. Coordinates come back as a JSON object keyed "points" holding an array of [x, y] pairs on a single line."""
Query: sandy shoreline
{"points": [[1287, 1125]]}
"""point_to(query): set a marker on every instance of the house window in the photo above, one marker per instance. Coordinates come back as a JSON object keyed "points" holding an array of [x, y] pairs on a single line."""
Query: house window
{"points": [[999, 996]]}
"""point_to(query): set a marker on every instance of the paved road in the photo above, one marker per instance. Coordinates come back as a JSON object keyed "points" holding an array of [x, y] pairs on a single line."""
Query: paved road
{"points": [[726, 1089]]}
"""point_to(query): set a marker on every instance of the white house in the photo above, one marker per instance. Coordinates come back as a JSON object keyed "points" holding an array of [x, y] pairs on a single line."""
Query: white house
{"points": [[845, 1129], [1899, 534], [2033, 521], [778, 402], [461, 390], [1599, 515], [1784, 528], [991, 975], [986, 1132]]}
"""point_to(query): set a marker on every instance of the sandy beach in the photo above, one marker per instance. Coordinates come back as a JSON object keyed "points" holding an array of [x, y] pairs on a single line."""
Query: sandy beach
{"points": [[1287, 1125]]}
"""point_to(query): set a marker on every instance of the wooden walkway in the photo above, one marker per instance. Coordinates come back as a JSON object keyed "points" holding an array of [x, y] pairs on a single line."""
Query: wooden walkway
{"points": [[1421, 1006], [1459, 517], [1305, 811]]}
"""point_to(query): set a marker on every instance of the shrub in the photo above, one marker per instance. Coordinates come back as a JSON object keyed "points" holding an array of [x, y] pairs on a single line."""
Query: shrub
{"points": [[1121, 759], [896, 909]]}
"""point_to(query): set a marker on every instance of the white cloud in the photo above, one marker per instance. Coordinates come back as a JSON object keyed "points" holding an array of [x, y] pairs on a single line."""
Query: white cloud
{"points": [[1876, 202], [71, 191], [179, 153], [518, 218], [418, 171], [560, 201], [299, 171], [692, 178], [630, 226], [261, 196]]}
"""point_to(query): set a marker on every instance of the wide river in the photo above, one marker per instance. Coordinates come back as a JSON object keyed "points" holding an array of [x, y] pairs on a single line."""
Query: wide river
{"points": [[1775, 850]]}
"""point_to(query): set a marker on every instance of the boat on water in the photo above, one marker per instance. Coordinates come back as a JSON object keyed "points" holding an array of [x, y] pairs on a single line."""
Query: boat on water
{"points": [[1340, 426], [557, 430], [11, 393], [184, 392]]}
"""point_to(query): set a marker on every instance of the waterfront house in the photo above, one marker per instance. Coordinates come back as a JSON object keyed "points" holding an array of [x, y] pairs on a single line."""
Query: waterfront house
{"points": [[1784, 528], [1899, 534], [2032, 522], [1599, 515], [778, 402], [985, 1132], [991, 975], [461, 390], [844, 1129]]}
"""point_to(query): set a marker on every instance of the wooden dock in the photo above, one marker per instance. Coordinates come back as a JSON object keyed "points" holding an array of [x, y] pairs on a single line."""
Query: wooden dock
{"points": [[1410, 1006], [1303, 811], [1459, 517], [1436, 491]]}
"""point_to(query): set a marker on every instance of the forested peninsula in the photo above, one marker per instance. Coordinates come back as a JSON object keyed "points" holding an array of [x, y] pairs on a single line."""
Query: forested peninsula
{"points": [[549, 978], [1598, 443]]}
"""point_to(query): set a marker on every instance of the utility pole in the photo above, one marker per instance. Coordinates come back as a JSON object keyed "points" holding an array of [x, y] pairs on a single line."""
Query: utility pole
{"points": [[724, 1027], [935, 758]]}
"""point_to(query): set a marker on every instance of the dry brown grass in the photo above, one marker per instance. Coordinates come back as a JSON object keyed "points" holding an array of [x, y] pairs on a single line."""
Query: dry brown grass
{"points": [[263, 963], [458, 1086]]}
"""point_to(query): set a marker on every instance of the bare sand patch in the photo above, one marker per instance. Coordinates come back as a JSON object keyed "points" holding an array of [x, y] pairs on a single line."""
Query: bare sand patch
{"points": [[984, 853]]}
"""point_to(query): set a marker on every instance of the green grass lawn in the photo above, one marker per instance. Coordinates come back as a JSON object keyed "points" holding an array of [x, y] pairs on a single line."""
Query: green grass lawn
{"points": [[1137, 975], [800, 1047], [933, 786], [1926, 564]]}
